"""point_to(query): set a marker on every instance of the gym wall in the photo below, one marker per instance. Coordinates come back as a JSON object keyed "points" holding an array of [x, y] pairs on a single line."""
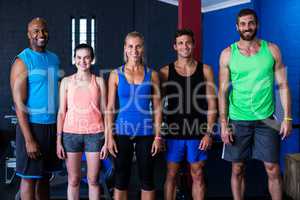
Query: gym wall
{"points": [[157, 21]]}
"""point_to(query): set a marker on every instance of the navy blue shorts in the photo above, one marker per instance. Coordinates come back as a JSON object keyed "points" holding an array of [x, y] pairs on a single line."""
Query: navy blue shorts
{"points": [[45, 136], [257, 139]]}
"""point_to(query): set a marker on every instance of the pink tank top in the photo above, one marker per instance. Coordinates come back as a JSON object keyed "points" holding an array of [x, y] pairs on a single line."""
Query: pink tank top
{"points": [[83, 108]]}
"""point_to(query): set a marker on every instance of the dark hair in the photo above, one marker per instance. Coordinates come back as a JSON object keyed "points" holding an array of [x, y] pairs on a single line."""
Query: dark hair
{"points": [[247, 11], [184, 31], [85, 46]]}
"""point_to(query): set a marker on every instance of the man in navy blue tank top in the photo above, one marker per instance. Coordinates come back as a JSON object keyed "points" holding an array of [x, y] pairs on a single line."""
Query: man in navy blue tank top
{"points": [[34, 85], [190, 112]]}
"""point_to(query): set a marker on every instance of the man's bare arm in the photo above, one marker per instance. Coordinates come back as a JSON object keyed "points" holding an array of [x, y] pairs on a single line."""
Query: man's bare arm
{"points": [[211, 97], [163, 75], [284, 91], [224, 84], [224, 77], [18, 84], [157, 108]]}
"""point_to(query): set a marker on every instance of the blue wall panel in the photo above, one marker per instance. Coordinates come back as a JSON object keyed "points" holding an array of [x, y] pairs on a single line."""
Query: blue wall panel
{"points": [[280, 23]]}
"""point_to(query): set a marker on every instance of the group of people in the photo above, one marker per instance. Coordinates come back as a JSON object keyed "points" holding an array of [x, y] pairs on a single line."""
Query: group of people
{"points": [[182, 96]]}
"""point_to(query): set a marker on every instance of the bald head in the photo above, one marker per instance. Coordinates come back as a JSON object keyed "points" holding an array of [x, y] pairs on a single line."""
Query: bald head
{"points": [[36, 21]]}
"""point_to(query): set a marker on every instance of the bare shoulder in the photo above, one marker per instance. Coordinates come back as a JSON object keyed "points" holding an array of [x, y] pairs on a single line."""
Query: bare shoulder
{"points": [[164, 69], [65, 81], [114, 72], [113, 77], [99, 79], [18, 61], [225, 56], [154, 76], [273, 46], [226, 52], [274, 50], [207, 71], [164, 72], [68, 78], [18, 65], [18, 73]]}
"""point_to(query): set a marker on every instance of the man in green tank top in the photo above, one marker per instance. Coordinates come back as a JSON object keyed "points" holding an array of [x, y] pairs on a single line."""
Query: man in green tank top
{"points": [[248, 129]]}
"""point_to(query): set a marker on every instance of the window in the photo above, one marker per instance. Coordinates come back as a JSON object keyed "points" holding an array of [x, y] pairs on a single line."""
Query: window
{"points": [[83, 31]]}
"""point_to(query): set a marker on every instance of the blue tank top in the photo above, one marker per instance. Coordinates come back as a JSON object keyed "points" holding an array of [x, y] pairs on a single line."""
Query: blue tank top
{"points": [[42, 85], [134, 116]]}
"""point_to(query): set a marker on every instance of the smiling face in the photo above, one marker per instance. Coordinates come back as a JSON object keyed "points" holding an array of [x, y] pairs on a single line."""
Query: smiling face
{"points": [[247, 27], [38, 34], [184, 46], [83, 59], [134, 49]]}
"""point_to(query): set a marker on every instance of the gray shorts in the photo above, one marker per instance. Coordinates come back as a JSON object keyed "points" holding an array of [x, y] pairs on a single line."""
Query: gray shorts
{"points": [[74, 142], [257, 139]]}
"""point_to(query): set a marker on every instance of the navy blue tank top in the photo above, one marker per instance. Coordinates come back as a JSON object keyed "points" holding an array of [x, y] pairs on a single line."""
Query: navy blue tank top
{"points": [[134, 116]]}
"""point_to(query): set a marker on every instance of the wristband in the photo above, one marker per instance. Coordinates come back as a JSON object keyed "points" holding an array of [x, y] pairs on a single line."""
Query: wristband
{"points": [[288, 119], [157, 138]]}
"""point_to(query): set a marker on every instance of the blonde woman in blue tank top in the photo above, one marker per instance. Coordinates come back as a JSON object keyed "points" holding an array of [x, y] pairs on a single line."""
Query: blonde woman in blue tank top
{"points": [[137, 126]]}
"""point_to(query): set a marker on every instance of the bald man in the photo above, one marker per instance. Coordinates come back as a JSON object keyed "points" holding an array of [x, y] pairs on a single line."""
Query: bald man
{"points": [[34, 85]]}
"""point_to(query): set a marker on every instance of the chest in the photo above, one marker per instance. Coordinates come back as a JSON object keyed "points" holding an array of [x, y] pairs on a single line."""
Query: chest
{"points": [[134, 77], [257, 65]]}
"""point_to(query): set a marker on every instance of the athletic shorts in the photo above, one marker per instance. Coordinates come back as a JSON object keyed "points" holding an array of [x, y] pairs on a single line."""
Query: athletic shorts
{"points": [[184, 149], [45, 136], [145, 161], [74, 142], [257, 139]]}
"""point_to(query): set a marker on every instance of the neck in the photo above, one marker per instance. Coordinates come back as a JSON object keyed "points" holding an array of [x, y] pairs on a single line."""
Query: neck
{"points": [[38, 49], [185, 62], [248, 44], [83, 75], [133, 65]]}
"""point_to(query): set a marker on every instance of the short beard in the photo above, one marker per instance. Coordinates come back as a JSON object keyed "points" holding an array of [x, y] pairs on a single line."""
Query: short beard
{"points": [[249, 37]]}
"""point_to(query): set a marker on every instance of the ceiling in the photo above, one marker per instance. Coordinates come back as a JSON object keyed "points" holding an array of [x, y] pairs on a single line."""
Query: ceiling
{"points": [[212, 5]]}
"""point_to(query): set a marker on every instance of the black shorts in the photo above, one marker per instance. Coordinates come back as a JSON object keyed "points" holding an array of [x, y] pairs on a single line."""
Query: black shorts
{"points": [[74, 142], [145, 161], [45, 136], [257, 139]]}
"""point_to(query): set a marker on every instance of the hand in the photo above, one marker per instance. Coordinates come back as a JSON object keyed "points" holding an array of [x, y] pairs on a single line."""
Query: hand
{"points": [[205, 143], [226, 134], [285, 129], [33, 149], [156, 147], [60, 152], [103, 152], [112, 147]]}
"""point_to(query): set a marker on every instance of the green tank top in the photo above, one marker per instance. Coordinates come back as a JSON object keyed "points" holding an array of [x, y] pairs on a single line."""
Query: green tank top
{"points": [[252, 79]]}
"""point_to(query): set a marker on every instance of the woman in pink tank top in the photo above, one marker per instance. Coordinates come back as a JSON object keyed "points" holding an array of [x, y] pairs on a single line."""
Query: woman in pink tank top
{"points": [[80, 123]]}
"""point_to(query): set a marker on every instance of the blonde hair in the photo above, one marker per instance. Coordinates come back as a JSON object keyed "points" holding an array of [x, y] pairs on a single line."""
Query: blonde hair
{"points": [[134, 34]]}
